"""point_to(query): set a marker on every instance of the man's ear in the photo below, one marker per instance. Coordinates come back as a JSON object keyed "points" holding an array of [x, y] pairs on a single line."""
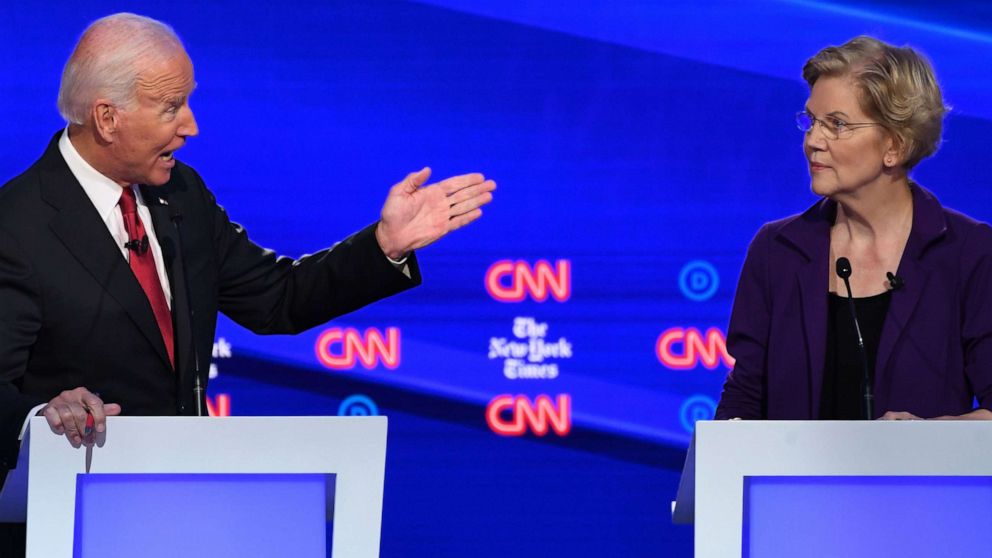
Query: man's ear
{"points": [[105, 119]]}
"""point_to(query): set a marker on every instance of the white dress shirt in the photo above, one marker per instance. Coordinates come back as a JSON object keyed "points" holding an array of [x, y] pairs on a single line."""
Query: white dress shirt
{"points": [[105, 195]]}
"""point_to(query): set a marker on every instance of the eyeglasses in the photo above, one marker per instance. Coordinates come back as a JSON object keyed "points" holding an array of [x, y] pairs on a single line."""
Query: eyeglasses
{"points": [[833, 127]]}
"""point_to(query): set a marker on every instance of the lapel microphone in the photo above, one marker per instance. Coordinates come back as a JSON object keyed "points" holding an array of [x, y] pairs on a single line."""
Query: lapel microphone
{"points": [[895, 282], [844, 272], [139, 246]]}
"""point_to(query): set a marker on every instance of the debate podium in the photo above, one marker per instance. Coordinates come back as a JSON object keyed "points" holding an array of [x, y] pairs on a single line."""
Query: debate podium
{"points": [[773, 489], [203, 486]]}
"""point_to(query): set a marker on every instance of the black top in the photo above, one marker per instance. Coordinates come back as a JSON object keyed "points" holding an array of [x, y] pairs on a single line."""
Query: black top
{"points": [[841, 396]]}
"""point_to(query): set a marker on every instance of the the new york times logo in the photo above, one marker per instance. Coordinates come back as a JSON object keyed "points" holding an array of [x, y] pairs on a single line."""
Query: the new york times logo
{"points": [[527, 355]]}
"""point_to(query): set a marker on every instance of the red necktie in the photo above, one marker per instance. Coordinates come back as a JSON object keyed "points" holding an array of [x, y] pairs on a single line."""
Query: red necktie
{"points": [[143, 265]]}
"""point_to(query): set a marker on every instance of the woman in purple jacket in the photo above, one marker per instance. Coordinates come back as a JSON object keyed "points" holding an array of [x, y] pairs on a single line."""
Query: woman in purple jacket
{"points": [[920, 274]]}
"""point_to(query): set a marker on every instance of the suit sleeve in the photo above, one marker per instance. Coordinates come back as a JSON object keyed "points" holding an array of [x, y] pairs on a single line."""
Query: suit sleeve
{"points": [[747, 337], [20, 321], [270, 294], [976, 311]]}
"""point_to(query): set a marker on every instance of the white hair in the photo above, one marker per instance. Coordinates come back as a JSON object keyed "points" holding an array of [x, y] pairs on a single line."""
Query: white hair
{"points": [[105, 62]]}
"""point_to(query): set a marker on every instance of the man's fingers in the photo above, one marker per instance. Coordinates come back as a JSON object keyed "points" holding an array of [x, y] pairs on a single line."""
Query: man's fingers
{"points": [[455, 183], [111, 409], [94, 405], [54, 420], [472, 191], [414, 180], [464, 219], [899, 415], [470, 204], [73, 426]]}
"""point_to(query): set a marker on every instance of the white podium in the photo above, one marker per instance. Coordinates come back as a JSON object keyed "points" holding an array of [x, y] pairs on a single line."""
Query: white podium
{"points": [[319, 468], [838, 488]]}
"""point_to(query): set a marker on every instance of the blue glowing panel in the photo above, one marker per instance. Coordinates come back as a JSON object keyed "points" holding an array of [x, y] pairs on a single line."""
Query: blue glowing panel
{"points": [[167, 515], [866, 516]]}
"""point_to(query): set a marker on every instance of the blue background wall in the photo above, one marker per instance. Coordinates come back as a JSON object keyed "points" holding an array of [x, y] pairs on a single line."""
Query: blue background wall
{"points": [[640, 143]]}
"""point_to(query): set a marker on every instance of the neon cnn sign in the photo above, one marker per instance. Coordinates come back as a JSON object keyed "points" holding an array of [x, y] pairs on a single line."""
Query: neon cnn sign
{"points": [[344, 348], [683, 348], [509, 281], [540, 416]]}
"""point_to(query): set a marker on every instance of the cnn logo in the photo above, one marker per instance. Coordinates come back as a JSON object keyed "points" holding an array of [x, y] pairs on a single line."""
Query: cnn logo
{"points": [[513, 416], [509, 281], [686, 348], [343, 348]]}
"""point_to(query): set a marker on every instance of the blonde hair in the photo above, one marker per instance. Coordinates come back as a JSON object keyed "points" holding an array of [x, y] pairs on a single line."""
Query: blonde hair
{"points": [[896, 86]]}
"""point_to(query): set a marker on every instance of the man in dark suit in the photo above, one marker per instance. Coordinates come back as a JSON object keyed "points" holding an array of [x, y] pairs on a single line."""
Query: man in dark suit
{"points": [[97, 237]]}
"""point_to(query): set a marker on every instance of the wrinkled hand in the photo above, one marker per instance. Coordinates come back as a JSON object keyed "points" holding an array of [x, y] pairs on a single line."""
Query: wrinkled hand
{"points": [[898, 415], [415, 216], [66, 414]]}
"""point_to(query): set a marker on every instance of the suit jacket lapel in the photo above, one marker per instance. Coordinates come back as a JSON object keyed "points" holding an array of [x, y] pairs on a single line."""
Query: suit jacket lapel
{"points": [[809, 234], [80, 229], [167, 236], [929, 226]]}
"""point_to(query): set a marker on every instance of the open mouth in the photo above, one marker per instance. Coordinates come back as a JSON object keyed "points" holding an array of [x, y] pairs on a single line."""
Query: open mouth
{"points": [[167, 156]]}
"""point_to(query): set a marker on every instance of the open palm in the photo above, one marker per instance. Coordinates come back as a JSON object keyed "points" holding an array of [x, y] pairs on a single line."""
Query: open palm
{"points": [[415, 215]]}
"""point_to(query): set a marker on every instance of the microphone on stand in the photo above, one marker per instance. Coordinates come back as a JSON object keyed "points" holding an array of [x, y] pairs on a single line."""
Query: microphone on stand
{"points": [[199, 392], [844, 272]]}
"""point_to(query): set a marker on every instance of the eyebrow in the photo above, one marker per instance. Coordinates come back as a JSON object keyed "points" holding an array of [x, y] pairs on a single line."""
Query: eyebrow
{"points": [[832, 113], [179, 99]]}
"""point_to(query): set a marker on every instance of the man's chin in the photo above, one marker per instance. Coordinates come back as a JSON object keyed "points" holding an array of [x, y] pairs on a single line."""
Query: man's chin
{"points": [[158, 178]]}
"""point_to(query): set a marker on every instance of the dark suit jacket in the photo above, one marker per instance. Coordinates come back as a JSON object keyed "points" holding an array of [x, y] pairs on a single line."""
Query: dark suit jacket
{"points": [[72, 313], [935, 353]]}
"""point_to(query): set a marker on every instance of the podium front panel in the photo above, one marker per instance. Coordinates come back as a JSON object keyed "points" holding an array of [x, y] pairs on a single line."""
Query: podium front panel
{"points": [[731, 454], [825, 517], [168, 515], [353, 449]]}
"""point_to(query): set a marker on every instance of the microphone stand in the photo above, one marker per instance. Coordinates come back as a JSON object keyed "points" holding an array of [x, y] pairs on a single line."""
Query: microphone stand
{"points": [[199, 392], [844, 272]]}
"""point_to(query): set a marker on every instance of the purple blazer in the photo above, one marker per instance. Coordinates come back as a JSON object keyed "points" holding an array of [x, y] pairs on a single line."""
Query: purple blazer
{"points": [[935, 353]]}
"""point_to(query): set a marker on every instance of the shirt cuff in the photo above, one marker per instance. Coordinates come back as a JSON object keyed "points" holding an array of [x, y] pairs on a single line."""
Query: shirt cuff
{"points": [[401, 265], [27, 421]]}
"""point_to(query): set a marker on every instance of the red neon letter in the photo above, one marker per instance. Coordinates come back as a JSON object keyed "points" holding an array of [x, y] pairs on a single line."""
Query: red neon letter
{"points": [[222, 408], [496, 422], [495, 286], [667, 355]]}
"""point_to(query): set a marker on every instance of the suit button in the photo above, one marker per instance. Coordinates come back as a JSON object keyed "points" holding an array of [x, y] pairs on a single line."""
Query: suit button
{"points": [[182, 408]]}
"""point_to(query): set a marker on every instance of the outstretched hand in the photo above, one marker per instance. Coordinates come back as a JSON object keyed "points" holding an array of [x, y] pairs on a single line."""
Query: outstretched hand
{"points": [[415, 215]]}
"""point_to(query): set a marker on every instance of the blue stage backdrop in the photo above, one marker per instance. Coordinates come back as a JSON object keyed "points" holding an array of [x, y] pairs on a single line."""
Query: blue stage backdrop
{"points": [[544, 381]]}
